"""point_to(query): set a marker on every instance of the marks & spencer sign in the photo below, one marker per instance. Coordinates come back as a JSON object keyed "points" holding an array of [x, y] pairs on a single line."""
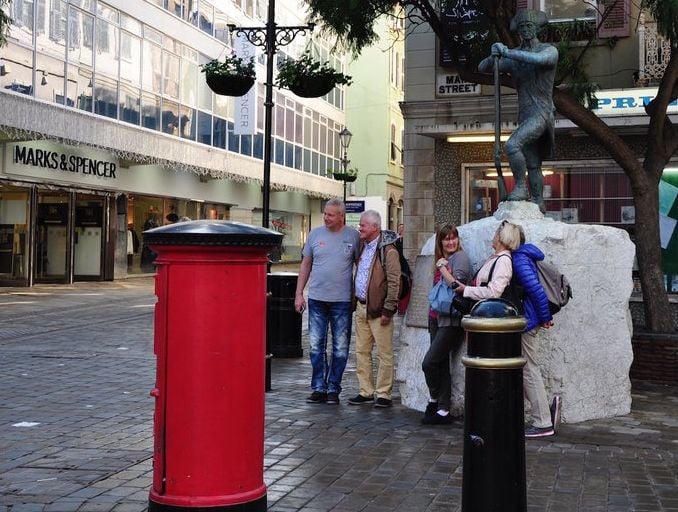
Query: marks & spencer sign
{"points": [[57, 161]]}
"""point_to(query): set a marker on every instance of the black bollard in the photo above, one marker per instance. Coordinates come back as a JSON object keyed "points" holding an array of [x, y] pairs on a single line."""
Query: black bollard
{"points": [[494, 430]]}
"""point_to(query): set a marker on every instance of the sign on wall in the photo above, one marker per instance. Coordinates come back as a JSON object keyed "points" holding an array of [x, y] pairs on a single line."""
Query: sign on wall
{"points": [[464, 21], [625, 102], [452, 85]]}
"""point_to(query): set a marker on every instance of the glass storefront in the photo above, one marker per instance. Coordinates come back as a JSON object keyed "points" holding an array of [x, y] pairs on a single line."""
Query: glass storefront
{"points": [[52, 236], [14, 239], [587, 195], [148, 212], [293, 226]]}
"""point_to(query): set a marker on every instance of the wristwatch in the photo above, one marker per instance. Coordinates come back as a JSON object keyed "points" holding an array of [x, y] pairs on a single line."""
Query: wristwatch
{"points": [[440, 265]]}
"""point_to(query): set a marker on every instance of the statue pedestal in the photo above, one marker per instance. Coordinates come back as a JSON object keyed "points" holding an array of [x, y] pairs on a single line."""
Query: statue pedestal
{"points": [[585, 357]]}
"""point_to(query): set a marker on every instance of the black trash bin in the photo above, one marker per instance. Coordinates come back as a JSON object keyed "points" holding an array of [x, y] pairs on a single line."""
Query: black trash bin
{"points": [[283, 323]]}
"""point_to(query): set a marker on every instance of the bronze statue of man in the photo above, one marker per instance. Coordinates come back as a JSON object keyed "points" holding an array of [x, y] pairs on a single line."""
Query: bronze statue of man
{"points": [[532, 67]]}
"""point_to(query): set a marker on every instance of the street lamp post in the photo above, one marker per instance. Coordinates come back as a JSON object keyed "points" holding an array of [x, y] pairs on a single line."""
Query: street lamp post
{"points": [[345, 139], [270, 38]]}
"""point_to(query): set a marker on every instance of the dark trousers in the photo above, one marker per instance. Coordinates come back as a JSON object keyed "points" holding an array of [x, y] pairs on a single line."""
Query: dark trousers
{"points": [[436, 363]]}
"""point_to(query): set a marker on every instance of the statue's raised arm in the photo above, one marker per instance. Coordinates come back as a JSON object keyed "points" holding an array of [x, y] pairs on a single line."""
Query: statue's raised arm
{"points": [[532, 67]]}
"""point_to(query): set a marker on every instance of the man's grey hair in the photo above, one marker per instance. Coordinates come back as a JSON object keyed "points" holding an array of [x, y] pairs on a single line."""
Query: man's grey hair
{"points": [[372, 217], [338, 203]]}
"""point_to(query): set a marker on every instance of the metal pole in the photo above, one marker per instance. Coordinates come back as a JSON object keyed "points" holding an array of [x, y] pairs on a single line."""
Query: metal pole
{"points": [[268, 109], [501, 184], [344, 165], [267, 37]]}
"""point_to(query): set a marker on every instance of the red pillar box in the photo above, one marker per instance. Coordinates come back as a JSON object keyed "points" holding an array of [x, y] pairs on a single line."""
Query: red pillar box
{"points": [[210, 337]]}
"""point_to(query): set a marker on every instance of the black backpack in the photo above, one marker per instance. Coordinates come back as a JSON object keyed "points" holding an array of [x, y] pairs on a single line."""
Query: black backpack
{"points": [[514, 291], [405, 272]]}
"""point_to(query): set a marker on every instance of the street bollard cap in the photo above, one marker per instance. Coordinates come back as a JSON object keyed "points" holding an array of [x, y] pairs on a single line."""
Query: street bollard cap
{"points": [[494, 315], [214, 233], [494, 308]]}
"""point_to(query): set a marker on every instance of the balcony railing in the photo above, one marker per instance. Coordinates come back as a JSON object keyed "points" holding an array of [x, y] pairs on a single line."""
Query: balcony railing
{"points": [[655, 52]]}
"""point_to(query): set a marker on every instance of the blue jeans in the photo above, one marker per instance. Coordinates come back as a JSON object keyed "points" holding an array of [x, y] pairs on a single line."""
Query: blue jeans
{"points": [[326, 376]]}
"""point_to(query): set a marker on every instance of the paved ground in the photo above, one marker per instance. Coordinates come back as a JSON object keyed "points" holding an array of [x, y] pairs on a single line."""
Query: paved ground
{"points": [[76, 366]]}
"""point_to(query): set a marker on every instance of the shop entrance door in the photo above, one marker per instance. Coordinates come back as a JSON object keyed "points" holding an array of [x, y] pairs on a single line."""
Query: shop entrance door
{"points": [[52, 248], [88, 237]]}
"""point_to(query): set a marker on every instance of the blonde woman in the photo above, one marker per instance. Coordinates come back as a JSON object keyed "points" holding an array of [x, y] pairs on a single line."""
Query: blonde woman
{"points": [[506, 240]]}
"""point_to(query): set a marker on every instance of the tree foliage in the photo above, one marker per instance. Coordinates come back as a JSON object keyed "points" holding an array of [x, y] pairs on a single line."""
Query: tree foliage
{"points": [[354, 22]]}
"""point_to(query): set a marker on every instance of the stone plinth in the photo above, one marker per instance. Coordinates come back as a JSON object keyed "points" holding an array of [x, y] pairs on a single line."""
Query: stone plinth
{"points": [[585, 357]]}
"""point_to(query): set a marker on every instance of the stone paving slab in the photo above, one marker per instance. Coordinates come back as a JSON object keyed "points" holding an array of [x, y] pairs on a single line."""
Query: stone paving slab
{"points": [[77, 360]]}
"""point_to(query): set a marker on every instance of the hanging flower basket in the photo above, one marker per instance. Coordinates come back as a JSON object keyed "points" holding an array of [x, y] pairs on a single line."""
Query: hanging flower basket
{"points": [[347, 177], [312, 86], [309, 78], [232, 77], [229, 85]]}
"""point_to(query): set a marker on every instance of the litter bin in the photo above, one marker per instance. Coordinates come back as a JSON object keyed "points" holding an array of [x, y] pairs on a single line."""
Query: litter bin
{"points": [[283, 323]]}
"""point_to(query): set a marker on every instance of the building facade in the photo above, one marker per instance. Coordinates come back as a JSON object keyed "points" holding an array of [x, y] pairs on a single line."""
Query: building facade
{"points": [[373, 116], [449, 135], [109, 129]]}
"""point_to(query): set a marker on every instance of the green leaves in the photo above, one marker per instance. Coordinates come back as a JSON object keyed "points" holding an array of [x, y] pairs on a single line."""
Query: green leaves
{"points": [[231, 66], [290, 71], [665, 12], [351, 20]]}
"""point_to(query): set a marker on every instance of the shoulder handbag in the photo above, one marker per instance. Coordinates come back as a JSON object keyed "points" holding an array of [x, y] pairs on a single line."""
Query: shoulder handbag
{"points": [[440, 297], [512, 293]]}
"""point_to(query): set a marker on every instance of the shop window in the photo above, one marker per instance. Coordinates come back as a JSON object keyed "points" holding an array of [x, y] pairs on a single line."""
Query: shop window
{"points": [[298, 157], [22, 15], [279, 151], [233, 139], [289, 154], [246, 145], [307, 160], [292, 226], [151, 67], [130, 100], [80, 37], [204, 128], [13, 233], [315, 162], [130, 61], [220, 26], [150, 111], [170, 64], [106, 97], [220, 133], [591, 195], [561, 9], [170, 117], [206, 17], [258, 150]]}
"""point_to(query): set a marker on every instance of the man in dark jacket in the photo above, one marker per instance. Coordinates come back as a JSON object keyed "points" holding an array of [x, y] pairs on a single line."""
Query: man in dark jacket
{"points": [[537, 315], [377, 284]]}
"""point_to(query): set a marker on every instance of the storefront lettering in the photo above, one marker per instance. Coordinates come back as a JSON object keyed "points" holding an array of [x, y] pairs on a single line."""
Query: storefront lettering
{"points": [[59, 161], [627, 102]]}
